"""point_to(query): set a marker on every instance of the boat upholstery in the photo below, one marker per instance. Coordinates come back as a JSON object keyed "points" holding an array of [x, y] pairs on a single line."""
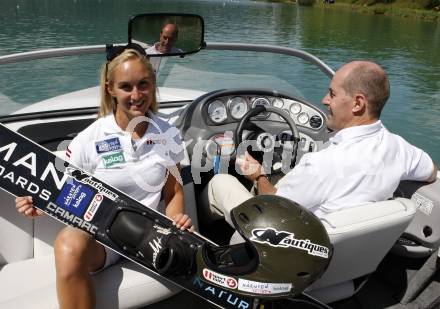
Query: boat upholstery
{"points": [[27, 271], [422, 236], [361, 237]]}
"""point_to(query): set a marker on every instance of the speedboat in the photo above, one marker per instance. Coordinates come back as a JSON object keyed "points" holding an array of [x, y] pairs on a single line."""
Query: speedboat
{"points": [[385, 253]]}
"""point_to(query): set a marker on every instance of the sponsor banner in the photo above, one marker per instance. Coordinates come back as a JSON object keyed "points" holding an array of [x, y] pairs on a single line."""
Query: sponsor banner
{"points": [[114, 158], [75, 197], [93, 207], [263, 288], [107, 145], [219, 279]]}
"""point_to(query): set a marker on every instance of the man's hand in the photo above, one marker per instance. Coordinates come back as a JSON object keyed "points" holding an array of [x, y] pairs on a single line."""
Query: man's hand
{"points": [[250, 167], [252, 170], [26, 207]]}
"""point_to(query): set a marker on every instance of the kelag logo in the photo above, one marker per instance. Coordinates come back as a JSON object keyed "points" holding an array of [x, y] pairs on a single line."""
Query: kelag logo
{"points": [[114, 158], [75, 197]]}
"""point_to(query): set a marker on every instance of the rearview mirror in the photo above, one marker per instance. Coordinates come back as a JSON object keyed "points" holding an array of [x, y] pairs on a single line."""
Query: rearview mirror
{"points": [[167, 34]]}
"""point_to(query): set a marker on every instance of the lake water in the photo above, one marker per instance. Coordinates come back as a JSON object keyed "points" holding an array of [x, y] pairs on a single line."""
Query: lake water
{"points": [[407, 49]]}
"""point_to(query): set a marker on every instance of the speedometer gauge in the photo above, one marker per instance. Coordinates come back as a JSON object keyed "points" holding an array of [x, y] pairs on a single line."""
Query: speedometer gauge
{"points": [[295, 108], [278, 102], [217, 111], [237, 107], [303, 118], [261, 101]]}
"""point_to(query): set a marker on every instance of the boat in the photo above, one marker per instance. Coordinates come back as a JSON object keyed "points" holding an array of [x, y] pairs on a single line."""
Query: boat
{"points": [[385, 255]]}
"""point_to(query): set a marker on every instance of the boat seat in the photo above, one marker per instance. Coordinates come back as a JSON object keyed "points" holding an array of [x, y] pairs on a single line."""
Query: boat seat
{"points": [[27, 269], [422, 237], [361, 237]]}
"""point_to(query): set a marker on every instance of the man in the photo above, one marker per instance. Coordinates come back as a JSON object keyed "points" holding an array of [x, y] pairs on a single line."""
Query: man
{"points": [[363, 163], [168, 37]]}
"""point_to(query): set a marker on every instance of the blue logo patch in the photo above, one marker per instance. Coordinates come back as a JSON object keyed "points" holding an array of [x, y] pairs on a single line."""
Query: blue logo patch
{"points": [[107, 145], [75, 197]]}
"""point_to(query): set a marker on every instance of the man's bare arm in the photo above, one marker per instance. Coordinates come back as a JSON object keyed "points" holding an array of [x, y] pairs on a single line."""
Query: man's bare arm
{"points": [[433, 176], [264, 186]]}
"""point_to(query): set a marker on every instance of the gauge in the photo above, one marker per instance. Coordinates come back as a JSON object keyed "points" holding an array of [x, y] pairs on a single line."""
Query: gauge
{"points": [[278, 102], [315, 121], [303, 118], [217, 111], [261, 101], [237, 107], [295, 108]]}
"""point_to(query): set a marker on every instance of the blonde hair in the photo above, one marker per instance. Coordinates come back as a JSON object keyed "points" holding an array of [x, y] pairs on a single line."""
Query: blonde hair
{"points": [[108, 103]]}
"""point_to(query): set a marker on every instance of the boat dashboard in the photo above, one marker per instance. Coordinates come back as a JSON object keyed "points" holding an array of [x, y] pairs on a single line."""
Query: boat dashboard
{"points": [[209, 124], [232, 108]]}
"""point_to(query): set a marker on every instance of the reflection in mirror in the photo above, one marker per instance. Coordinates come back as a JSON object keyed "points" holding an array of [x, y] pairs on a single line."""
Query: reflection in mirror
{"points": [[167, 34]]}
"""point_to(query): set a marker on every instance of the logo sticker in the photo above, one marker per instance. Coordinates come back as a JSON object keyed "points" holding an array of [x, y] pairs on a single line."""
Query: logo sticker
{"points": [[156, 246], [74, 197], [93, 207], [114, 158], [287, 240], [88, 180], [107, 145], [219, 279], [162, 230], [424, 204], [229, 299], [263, 287]]}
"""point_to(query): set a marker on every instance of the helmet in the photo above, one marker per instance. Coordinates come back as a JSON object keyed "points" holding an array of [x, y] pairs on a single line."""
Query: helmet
{"points": [[286, 249]]}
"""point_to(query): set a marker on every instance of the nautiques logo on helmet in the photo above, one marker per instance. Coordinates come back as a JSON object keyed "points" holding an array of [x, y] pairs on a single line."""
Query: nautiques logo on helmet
{"points": [[284, 239]]}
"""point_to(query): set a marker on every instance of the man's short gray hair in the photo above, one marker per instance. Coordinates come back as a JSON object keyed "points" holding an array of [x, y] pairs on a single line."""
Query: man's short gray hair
{"points": [[372, 81]]}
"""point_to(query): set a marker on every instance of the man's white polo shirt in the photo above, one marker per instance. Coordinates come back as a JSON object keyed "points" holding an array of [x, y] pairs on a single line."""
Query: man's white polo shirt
{"points": [[152, 50], [136, 167], [362, 164]]}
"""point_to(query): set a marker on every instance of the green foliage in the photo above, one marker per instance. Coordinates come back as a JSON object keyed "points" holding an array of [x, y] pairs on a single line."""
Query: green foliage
{"points": [[413, 4], [433, 4], [306, 2]]}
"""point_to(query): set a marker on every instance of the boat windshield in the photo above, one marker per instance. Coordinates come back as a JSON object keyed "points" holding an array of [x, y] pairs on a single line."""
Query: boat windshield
{"points": [[211, 70], [66, 83]]}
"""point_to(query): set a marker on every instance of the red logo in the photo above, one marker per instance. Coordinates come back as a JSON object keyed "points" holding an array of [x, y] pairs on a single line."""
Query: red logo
{"points": [[231, 282]]}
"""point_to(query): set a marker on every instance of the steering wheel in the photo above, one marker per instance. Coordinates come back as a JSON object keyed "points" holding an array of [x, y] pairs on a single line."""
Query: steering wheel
{"points": [[264, 141]]}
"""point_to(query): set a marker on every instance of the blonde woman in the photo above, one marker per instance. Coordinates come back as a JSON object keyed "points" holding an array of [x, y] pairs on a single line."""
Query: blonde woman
{"points": [[118, 149]]}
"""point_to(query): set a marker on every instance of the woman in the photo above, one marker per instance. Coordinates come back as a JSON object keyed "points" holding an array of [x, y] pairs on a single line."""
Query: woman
{"points": [[121, 154]]}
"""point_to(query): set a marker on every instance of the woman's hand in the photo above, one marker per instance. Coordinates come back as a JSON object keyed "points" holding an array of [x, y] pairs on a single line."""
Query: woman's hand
{"points": [[26, 207], [183, 222]]}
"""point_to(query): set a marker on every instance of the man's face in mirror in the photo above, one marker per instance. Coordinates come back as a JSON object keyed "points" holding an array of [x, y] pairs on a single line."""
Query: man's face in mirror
{"points": [[168, 36]]}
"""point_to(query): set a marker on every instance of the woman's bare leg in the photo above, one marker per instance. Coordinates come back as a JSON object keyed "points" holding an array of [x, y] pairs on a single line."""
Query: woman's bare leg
{"points": [[76, 255]]}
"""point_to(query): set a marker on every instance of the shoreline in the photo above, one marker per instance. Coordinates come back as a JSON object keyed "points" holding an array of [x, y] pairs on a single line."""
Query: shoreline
{"points": [[396, 8], [392, 9]]}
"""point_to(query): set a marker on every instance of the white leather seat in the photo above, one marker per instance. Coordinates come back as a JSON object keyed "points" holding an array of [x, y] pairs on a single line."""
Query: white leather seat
{"points": [[27, 269], [361, 237], [31, 284]]}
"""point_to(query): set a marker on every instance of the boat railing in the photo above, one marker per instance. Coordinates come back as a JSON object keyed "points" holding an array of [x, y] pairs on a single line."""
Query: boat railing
{"points": [[98, 49]]}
